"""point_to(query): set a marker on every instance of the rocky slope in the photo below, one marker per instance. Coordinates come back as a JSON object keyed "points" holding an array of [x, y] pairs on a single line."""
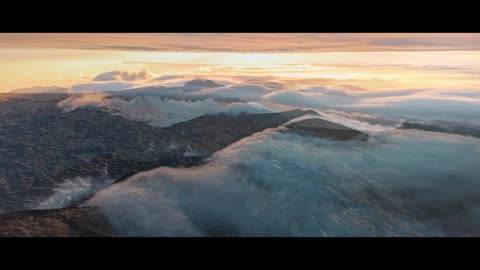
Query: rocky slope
{"points": [[42, 147], [66, 222]]}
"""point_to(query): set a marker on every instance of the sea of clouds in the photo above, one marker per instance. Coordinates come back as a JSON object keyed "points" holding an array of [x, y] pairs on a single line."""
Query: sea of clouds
{"points": [[262, 95]]}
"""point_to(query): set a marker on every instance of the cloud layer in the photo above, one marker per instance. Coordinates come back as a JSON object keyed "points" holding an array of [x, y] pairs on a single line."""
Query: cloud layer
{"points": [[124, 76], [157, 111], [265, 185], [245, 42], [394, 105]]}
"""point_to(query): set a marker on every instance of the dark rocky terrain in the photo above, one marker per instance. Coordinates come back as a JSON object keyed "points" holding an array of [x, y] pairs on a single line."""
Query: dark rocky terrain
{"points": [[66, 222], [444, 127], [323, 128], [42, 147]]}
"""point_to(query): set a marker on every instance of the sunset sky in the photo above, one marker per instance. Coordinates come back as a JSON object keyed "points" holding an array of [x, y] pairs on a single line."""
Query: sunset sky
{"points": [[373, 62]]}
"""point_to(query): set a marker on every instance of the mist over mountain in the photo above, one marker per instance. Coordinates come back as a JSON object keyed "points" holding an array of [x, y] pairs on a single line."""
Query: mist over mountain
{"points": [[85, 149], [142, 155], [200, 84], [415, 104]]}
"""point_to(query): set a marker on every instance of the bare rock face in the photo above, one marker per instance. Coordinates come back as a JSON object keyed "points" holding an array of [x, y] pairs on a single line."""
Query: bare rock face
{"points": [[67, 222], [444, 127], [324, 128], [43, 147]]}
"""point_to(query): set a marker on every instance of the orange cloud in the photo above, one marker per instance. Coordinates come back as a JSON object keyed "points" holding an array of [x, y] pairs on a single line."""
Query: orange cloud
{"points": [[245, 42]]}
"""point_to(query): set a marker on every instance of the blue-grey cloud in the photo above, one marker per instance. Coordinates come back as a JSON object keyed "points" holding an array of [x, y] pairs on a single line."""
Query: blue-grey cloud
{"points": [[124, 76], [427, 41], [265, 185]]}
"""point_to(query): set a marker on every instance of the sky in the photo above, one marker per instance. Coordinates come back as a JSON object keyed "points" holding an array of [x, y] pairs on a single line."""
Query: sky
{"points": [[368, 61]]}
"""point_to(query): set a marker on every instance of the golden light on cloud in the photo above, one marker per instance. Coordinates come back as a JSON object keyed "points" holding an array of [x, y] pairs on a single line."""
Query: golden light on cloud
{"points": [[246, 42], [370, 61]]}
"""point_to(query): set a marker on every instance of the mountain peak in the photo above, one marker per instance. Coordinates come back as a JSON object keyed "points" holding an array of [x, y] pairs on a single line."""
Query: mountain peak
{"points": [[40, 89], [201, 83]]}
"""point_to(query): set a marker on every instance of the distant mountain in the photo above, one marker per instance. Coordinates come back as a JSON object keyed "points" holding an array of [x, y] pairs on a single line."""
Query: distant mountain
{"points": [[443, 127], [200, 84], [149, 91], [40, 89], [323, 128], [267, 84], [168, 77], [178, 93]]}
